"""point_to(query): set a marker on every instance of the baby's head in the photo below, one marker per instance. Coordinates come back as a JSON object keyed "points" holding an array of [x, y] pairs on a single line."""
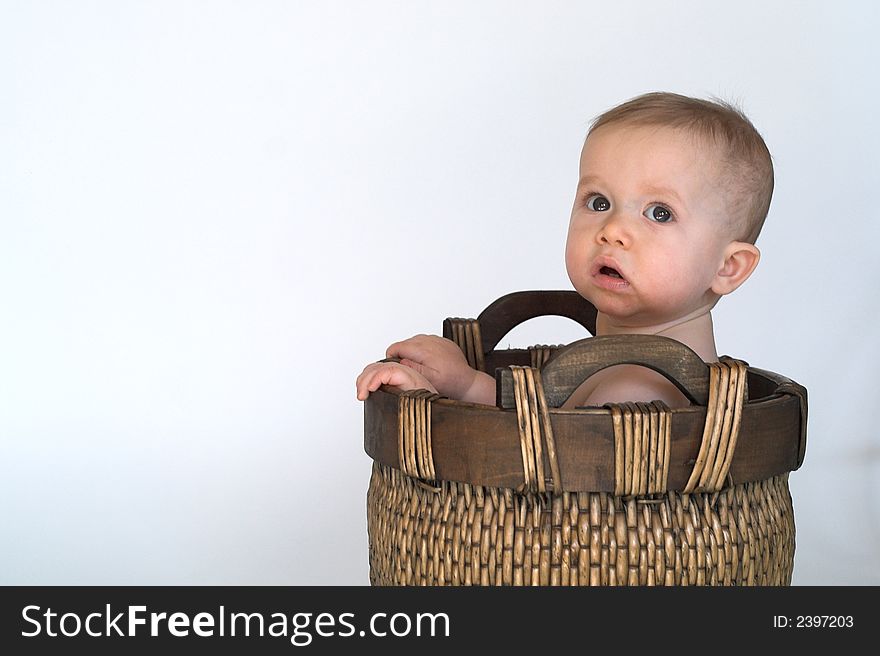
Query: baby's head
{"points": [[743, 168], [672, 194]]}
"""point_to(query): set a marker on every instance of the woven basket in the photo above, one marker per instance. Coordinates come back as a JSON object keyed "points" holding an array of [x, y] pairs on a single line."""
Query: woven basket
{"points": [[525, 493]]}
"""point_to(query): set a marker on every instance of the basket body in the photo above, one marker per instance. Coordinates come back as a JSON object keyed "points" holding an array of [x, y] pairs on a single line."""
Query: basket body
{"points": [[463, 534], [532, 492]]}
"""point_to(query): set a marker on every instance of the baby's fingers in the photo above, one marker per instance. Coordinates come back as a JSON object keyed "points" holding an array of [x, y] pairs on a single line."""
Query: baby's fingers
{"points": [[368, 381], [415, 348], [415, 366], [378, 374]]}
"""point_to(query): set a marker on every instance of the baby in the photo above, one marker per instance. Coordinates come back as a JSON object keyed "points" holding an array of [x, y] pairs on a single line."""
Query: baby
{"points": [[671, 196]]}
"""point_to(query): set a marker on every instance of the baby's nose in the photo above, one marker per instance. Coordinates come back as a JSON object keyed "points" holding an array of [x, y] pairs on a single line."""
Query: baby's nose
{"points": [[615, 231]]}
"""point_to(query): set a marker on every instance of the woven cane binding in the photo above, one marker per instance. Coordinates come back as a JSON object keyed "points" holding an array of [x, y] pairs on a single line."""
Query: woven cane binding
{"points": [[535, 431], [466, 334], [540, 353], [414, 434], [641, 447], [727, 391]]}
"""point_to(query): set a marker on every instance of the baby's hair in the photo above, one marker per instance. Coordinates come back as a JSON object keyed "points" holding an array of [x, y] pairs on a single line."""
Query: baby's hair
{"points": [[747, 165]]}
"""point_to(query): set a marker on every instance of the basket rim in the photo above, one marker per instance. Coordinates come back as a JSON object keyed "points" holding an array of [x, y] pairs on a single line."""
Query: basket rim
{"points": [[479, 444]]}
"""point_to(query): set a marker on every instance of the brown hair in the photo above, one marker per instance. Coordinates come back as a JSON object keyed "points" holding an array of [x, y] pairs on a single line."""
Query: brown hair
{"points": [[746, 163]]}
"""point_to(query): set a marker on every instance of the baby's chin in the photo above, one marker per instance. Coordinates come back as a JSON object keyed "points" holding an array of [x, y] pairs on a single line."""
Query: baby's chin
{"points": [[623, 311], [618, 309]]}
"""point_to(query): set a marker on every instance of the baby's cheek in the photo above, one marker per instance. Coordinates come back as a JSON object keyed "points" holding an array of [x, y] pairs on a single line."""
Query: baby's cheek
{"points": [[676, 287], [576, 260], [580, 284]]}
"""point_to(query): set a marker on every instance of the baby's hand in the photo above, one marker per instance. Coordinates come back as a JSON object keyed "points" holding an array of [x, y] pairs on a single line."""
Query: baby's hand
{"points": [[390, 373], [439, 360]]}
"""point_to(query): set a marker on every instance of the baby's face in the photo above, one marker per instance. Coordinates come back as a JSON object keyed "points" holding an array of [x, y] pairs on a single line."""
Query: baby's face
{"points": [[647, 232]]}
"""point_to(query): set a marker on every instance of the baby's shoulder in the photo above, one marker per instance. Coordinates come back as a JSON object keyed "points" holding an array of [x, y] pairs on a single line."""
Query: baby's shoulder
{"points": [[626, 382]]}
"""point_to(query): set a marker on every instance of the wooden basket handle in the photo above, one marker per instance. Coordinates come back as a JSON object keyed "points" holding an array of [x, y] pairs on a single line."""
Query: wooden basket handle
{"points": [[507, 312], [573, 364]]}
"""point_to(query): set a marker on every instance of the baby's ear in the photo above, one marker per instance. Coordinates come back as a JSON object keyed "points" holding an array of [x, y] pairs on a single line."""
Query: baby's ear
{"points": [[740, 259]]}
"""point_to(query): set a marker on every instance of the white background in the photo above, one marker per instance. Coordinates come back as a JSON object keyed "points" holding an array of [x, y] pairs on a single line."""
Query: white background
{"points": [[214, 214]]}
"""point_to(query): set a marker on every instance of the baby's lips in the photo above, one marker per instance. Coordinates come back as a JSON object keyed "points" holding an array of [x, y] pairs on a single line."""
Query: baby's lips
{"points": [[605, 262]]}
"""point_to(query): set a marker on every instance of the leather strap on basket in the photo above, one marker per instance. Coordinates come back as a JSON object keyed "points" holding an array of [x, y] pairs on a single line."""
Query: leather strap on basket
{"points": [[414, 433], [641, 447], [727, 392], [466, 334], [535, 431]]}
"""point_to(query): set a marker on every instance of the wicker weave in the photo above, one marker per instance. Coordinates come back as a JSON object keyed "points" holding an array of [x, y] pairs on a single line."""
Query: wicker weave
{"points": [[460, 534]]}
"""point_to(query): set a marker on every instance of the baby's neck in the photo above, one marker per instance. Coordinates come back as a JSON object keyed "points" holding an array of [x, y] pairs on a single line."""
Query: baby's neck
{"points": [[694, 331]]}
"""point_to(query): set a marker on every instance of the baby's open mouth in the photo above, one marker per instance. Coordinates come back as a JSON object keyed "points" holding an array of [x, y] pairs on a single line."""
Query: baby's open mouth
{"points": [[609, 271]]}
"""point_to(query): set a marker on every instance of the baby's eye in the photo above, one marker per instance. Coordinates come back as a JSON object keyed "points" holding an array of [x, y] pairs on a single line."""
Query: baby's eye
{"points": [[658, 213], [598, 203]]}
